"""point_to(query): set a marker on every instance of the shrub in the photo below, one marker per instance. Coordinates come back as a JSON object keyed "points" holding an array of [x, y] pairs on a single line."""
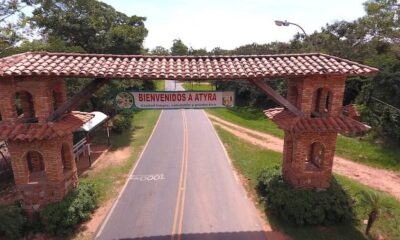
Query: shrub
{"points": [[12, 221], [61, 218], [304, 207], [122, 122]]}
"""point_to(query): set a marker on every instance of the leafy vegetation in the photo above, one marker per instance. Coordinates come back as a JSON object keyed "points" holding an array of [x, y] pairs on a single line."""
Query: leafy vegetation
{"points": [[373, 201], [251, 161], [122, 122], [93, 25], [159, 85], [198, 86], [12, 221], [304, 207], [61, 218]]}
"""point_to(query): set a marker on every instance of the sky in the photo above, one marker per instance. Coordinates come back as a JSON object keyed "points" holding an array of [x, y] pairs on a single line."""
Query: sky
{"points": [[231, 23]]}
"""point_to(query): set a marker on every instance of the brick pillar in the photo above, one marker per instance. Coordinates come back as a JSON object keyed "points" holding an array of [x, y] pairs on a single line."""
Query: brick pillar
{"points": [[19, 163], [60, 92], [296, 159], [337, 90], [7, 100], [54, 168], [68, 157], [44, 106]]}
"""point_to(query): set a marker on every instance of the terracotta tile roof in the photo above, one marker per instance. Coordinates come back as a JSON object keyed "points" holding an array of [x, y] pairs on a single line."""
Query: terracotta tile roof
{"points": [[178, 67], [350, 110], [40, 131], [288, 121]]}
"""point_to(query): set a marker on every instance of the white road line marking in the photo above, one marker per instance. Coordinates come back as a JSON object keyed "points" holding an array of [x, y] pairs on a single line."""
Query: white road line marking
{"points": [[127, 180], [148, 178]]}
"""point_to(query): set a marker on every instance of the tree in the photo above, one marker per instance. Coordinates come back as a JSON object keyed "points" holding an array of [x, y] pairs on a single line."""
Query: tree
{"points": [[87, 26], [382, 20], [90, 24], [159, 50], [372, 200], [9, 34], [219, 51], [179, 48], [198, 52]]}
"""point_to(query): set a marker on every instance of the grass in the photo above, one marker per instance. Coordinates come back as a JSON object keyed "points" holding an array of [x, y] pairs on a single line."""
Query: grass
{"points": [[260, 159], [363, 151], [197, 86], [248, 117], [108, 181], [160, 85]]}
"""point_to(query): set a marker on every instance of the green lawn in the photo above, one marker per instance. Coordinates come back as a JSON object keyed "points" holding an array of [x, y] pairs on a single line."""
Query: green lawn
{"points": [[249, 118], [108, 181], [160, 85], [196, 86], [363, 151], [251, 160]]}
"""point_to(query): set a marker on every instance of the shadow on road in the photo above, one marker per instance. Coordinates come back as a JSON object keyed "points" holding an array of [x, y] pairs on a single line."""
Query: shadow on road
{"points": [[217, 236]]}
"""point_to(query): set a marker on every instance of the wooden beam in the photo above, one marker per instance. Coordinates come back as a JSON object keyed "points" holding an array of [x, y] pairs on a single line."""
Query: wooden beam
{"points": [[77, 99], [276, 97]]}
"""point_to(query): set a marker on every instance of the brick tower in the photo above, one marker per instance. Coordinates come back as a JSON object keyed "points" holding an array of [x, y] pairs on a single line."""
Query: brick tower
{"points": [[310, 141], [41, 151]]}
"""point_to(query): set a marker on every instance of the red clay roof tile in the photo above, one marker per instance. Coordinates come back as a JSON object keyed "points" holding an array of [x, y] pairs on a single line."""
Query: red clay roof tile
{"points": [[351, 111], [288, 121], [40, 131], [178, 67]]}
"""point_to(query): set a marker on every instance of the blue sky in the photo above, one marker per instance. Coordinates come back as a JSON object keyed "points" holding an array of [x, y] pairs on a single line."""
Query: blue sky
{"points": [[231, 23]]}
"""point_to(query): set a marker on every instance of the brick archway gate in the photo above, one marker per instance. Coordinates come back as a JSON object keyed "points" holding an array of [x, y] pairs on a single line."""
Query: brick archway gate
{"points": [[38, 124]]}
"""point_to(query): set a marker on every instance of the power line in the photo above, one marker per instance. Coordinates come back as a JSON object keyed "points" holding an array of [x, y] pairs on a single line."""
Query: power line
{"points": [[387, 104]]}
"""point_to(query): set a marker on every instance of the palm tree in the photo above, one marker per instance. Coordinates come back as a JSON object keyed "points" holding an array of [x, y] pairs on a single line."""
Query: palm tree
{"points": [[373, 201]]}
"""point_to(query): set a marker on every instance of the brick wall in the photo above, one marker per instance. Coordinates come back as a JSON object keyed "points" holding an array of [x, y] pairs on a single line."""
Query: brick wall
{"points": [[58, 179], [296, 166], [41, 90], [60, 174], [306, 88]]}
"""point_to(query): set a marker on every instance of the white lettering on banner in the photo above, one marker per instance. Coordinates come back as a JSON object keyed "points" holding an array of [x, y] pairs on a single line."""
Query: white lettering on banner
{"points": [[148, 178], [168, 100]]}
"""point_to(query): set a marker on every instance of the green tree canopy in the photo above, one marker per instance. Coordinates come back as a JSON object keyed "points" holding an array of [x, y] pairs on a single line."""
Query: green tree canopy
{"points": [[9, 34], [179, 48], [92, 25], [159, 50]]}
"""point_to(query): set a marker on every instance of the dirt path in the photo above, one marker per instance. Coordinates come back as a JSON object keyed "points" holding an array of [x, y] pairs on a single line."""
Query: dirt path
{"points": [[385, 180]]}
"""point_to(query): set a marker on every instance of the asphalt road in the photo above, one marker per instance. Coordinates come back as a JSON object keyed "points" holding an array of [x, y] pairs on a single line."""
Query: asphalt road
{"points": [[183, 187]]}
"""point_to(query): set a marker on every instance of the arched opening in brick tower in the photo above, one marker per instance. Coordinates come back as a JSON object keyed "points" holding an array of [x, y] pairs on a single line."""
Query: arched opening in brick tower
{"points": [[66, 157], [322, 102], [24, 106], [315, 157], [35, 165]]}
